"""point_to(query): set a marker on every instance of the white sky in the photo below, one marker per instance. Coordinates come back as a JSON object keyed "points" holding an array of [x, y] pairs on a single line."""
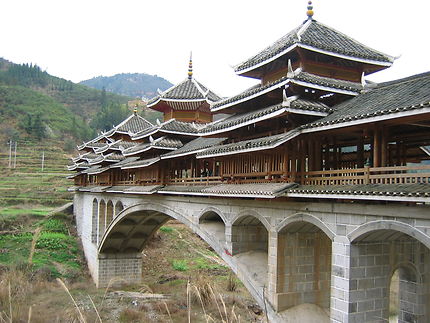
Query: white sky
{"points": [[81, 39]]}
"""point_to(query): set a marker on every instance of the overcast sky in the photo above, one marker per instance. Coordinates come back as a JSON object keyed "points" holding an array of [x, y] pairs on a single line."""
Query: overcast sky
{"points": [[81, 39]]}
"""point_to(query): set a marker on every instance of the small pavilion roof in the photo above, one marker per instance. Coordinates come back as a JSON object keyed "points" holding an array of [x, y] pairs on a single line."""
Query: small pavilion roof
{"points": [[297, 77], [187, 90], [134, 123], [407, 96], [315, 36], [171, 126]]}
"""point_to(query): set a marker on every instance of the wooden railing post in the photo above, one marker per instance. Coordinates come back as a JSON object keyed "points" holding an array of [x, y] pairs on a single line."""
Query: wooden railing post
{"points": [[366, 174]]}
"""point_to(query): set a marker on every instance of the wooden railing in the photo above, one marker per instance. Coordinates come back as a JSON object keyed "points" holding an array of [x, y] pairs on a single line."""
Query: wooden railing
{"points": [[368, 175], [196, 180]]}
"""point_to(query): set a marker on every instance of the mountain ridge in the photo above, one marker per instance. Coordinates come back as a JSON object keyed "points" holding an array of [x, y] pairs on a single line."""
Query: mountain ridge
{"points": [[136, 85]]}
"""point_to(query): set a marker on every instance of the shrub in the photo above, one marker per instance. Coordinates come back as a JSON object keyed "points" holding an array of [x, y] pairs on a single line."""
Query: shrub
{"points": [[180, 265], [54, 225]]}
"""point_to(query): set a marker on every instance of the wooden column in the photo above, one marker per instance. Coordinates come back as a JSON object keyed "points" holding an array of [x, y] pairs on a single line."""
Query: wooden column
{"points": [[360, 151], [376, 147], [384, 142]]}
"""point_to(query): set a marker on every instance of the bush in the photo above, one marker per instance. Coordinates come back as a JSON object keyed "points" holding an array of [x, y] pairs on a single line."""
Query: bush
{"points": [[180, 265], [166, 229], [54, 225]]}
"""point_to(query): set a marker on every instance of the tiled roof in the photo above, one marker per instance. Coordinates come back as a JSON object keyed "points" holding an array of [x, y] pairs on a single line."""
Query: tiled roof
{"points": [[160, 143], [379, 191], [148, 189], [141, 163], [179, 127], [81, 165], [194, 146], [298, 77], [248, 145], [188, 89], [133, 124], [316, 36], [258, 190], [125, 161], [402, 95], [295, 105]]}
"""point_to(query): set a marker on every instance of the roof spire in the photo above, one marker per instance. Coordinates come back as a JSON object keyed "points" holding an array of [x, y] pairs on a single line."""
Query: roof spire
{"points": [[190, 67], [310, 11]]}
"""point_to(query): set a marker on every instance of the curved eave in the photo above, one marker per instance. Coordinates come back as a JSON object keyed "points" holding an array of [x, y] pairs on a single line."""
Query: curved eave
{"points": [[141, 166], [259, 196], [318, 50], [178, 100], [375, 117], [249, 150], [278, 85]]}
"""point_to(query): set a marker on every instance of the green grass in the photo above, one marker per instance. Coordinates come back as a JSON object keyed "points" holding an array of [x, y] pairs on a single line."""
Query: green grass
{"points": [[180, 265], [32, 212], [166, 229]]}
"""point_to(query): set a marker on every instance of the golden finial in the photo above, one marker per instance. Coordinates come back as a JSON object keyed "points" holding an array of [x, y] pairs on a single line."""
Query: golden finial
{"points": [[310, 11], [190, 67], [135, 110]]}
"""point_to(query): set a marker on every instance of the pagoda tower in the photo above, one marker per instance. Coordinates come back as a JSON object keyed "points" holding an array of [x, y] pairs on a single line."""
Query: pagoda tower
{"points": [[188, 101]]}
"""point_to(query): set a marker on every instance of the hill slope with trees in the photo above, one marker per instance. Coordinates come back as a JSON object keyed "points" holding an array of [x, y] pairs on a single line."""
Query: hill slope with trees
{"points": [[35, 104], [133, 85]]}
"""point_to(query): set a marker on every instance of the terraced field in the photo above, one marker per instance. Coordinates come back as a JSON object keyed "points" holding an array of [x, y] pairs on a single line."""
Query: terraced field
{"points": [[27, 183]]}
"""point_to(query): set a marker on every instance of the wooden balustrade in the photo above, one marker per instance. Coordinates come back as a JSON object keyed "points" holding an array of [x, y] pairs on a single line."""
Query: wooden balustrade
{"points": [[368, 175], [196, 180], [349, 176]]}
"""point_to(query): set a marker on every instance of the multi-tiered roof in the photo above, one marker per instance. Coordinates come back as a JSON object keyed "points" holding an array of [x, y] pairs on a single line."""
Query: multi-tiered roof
{"points": [[312, 121]]}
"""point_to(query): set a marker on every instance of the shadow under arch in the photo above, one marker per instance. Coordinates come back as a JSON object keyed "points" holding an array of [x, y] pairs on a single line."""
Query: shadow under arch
{"points": [[250, 213], [213, 221], [304, 217], [132, 227], [394, 252], [303, 263], [373, 226]]}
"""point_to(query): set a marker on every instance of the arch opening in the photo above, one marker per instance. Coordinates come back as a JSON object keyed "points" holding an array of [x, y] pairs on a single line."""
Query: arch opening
{"points": [[250, 246], [389, 267], [109, 213], [118, 208], [212, 223], [101, 220], [304, 258], [94, 221]]}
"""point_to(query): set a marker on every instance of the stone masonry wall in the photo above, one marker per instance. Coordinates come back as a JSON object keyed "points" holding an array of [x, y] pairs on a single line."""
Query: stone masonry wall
{"points": [[304, 269]]}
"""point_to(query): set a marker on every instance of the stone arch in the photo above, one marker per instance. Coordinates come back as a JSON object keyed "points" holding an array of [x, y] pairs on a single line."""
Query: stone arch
{"points": [[94, 220], [118, 208], [212, 211], [389, 225], [306, 218], [212, 221], [253, 213], [303, 263], [101, 220], [130, 230], [379, 250]]}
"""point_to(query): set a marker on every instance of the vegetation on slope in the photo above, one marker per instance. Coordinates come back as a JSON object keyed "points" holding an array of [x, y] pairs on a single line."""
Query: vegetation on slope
{"points": [[132, 85], [34, 104]]}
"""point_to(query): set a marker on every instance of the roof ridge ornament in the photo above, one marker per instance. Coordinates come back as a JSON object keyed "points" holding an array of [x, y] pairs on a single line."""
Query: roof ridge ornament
{"points": [[190, 67], [310, 11]]}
